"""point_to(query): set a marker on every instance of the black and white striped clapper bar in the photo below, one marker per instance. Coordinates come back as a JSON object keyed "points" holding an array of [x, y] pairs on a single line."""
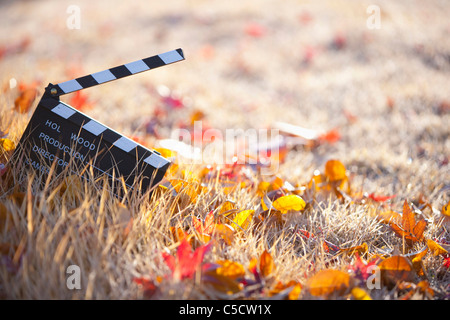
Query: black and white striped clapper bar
{"points": [[59, 135]]}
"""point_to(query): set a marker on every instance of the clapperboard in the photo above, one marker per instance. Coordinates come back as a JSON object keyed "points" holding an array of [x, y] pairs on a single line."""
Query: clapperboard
{"points": [[58, 135]]}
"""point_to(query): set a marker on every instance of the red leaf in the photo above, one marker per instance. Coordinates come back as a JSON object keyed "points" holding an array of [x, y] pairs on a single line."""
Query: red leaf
{"points": [[147, 285], [380, 198], [14, 48], [186, 263], [255, 30], [331, 136], [80, 101]]}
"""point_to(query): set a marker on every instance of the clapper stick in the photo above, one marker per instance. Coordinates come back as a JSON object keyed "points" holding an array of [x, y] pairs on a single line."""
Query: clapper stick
{"points": [[58, 135]]}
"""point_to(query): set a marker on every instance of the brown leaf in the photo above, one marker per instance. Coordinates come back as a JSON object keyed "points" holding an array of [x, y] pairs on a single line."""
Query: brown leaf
{"points": [[361, 250], [395, 269]]}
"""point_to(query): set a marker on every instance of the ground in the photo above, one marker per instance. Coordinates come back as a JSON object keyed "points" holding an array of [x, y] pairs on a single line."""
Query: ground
{"points": [[380, 93]]}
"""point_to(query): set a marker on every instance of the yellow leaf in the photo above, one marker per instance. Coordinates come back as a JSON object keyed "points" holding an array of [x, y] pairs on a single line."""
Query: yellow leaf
{"points": [[7, 144], [288, 203], [244, 218], [166, 153], [328, 281], [446, 210], [335, 170], [227, 208], [435, 248], [230, 269], [263, 187], [360, 294], [188, 188]]}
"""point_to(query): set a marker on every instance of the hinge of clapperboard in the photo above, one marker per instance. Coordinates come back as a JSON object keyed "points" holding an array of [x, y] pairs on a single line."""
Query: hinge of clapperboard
{"points": [[50, 100]]}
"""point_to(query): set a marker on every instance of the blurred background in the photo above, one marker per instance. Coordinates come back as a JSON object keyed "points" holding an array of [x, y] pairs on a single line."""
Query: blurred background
{"points": [[381, 81]]}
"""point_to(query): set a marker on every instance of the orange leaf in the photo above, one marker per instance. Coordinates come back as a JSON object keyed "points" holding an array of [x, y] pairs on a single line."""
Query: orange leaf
{"points": [[293, 294], [395, 269], [331, 136], [389, 216], [206, 227], [335, 170], [416, 259], [409, 230], [221, 282], [328, 281], [26, 97], [230, 269], [225, 232], [266, 264]]}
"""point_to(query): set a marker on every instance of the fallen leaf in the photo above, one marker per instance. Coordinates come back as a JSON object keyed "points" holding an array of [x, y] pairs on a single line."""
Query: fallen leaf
{"points": [[360, 250], [220, 282], [148, 286], [360, 294], [331, 136], [225, 232], [327, 282], [231, 269], [446, 209], [409, 230], [15, 47], [7, 145], [179, 234], [244, 218], [395, 269], [288, 203], [27, 95], [255, 30], [435, 248], [80, 101], [389, 216], [185, 263], [206, 227], [380, 198], [266, 264], [292, 294], [335, 170]]}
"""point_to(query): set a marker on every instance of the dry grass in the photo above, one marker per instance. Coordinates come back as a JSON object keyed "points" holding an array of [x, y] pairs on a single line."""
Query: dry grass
{"points": [[238, 82]]}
